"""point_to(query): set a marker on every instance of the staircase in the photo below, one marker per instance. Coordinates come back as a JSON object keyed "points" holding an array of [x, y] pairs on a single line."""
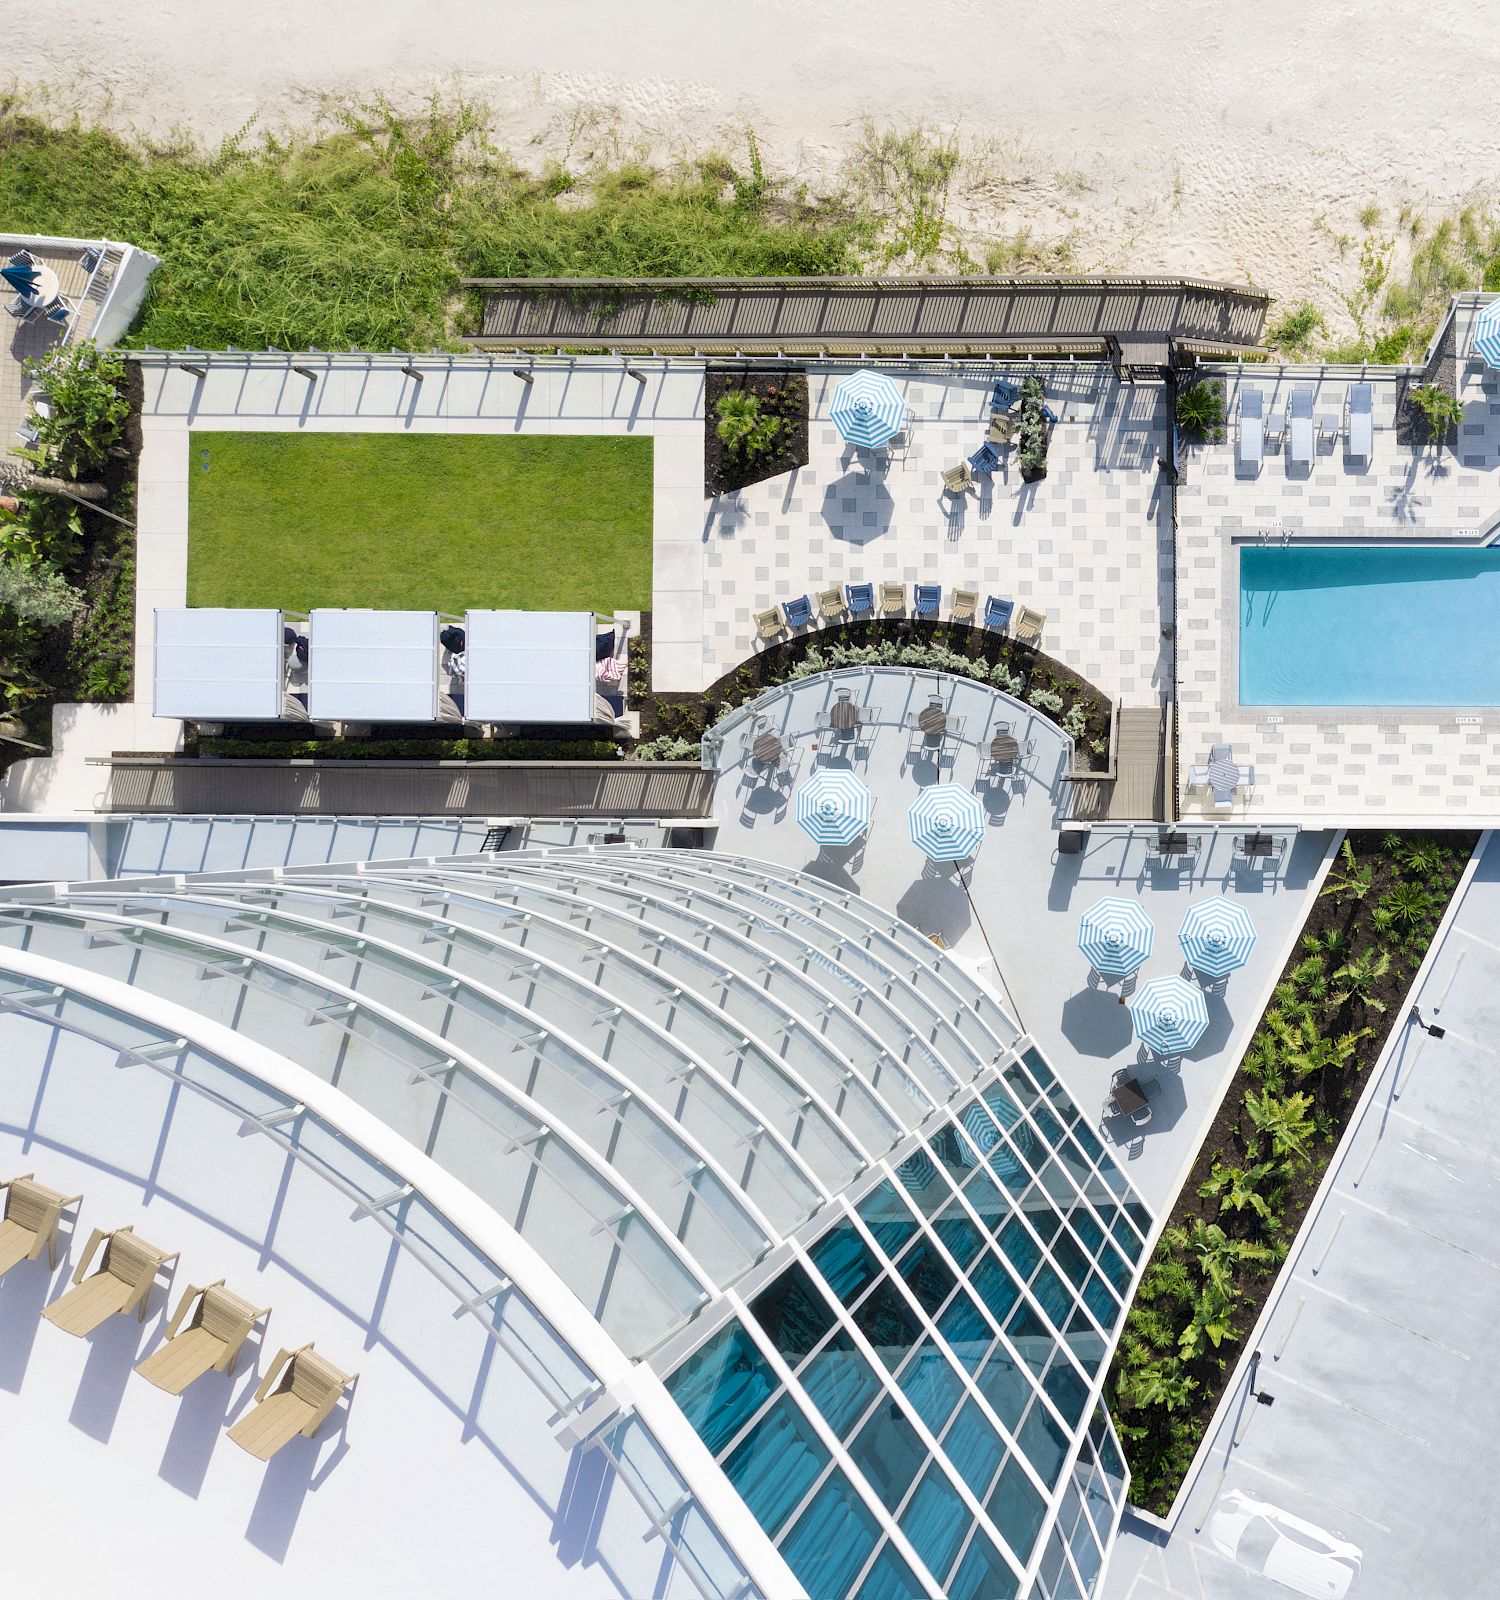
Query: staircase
{"points": [[1140, 766]]}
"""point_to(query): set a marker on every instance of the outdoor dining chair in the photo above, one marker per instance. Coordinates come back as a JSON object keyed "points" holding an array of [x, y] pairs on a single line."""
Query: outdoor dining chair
{"points": [[892, 599], [122, 1283], [32, 1215], [211, 1342], [984, 460], [60, 312], [302, 1402], [798, 612], [997, 613], [861, 598], [959, 479], [965, 603], [927, 597]]}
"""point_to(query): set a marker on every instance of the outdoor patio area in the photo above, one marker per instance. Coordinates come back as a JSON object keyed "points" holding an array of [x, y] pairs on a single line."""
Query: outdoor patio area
{"points": [[969, 906]]}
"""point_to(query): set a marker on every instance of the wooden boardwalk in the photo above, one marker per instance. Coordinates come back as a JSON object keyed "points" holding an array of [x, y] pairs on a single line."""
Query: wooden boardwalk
{"points": [[1139, 321], [166, 785]]}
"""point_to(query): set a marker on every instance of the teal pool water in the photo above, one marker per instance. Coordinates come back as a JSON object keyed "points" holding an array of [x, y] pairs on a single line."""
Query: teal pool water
{"points": [[1363, 625]]}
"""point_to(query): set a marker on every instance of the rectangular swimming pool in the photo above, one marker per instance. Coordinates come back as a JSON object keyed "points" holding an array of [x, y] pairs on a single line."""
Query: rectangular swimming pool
{"points": [[1369, 625]]}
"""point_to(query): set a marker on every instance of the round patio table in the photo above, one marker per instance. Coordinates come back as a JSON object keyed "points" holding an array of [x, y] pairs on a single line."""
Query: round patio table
{"points": [[47, 286], [766, 749], [843, 715], [932, 720], [1004, 748], [1223, 775]]}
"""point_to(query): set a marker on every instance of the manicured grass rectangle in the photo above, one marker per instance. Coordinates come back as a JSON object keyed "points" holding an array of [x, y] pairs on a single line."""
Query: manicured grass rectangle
{"points": [[419, 521]]}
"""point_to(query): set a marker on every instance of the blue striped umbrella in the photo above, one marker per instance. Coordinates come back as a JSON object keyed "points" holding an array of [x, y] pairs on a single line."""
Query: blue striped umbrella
{"points": [[833, 806], [1216, 937], [917, 1171], [1487, 334], [1170, 1015], [987, 1139], [868, 409], [1116, 936], [946, 823]]}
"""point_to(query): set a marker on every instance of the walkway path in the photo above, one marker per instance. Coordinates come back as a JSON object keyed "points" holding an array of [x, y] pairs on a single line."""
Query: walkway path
{"points": [[1377, 1345]]}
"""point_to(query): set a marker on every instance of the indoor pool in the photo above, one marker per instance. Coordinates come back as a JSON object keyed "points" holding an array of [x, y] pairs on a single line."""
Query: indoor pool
{"points": [[1365, 625]]}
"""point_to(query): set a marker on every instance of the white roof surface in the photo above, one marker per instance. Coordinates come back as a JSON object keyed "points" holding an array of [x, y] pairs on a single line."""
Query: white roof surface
{"points": [[373, 666], [530, 666], [215, 663]]}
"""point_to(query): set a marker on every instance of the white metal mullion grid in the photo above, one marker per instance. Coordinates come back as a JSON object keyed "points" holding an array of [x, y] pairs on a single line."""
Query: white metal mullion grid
{"points": [[399, 956], [520, 1101], [497, 939], [491, 905], [732, 935]]}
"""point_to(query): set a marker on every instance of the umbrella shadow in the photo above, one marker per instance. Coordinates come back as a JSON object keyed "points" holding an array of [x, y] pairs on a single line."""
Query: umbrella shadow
{"points": [[837, 865], [1096, 1022], [937, 903], [857, 507]]}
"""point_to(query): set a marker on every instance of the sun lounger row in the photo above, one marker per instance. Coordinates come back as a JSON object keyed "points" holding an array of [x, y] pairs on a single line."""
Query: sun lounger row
{"points": [[207, 1331], [858, 601], [1358, 424]]}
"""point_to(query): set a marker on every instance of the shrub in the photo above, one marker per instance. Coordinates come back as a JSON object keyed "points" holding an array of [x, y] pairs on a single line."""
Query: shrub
{"points": [[667, 747], [85, 386], [1200, 409], [1440, 410], [1048, 700], [1075, 720], [1293, 334], [745, 427], [37, 594], [1033, 428]]}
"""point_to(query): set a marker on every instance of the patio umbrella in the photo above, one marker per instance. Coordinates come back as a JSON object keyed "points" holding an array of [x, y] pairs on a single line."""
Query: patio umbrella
{"points": [[917, 1171], [22, 279], [833, 807], [946, 822], [1170, 1015], [1487, 334], [868, 409], [986, 1136], [1216, 937], [1116, 936]]}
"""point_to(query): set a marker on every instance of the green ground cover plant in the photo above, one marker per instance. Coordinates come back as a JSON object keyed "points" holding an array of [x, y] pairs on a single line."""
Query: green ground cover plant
{"points": [[440, 521], [1200, 408], [1271, 1142], [354, 235]]}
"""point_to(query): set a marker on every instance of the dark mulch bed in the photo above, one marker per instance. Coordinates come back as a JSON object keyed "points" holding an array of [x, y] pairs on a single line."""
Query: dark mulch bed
{"points": [[783, 393], [1160, 1456], [686, 716]]}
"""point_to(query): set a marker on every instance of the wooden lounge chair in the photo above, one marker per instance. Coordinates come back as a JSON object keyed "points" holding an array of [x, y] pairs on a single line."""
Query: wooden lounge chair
{"points": [[1029, 625], [122, 1283], [768, 624], [309, 1390], [959, 479], [965, 604], [831, 605], [211, 1342], [892, 599], [32, 1213]]}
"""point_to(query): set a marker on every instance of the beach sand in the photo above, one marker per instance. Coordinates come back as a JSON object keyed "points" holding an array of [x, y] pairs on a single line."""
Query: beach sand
{"points": [[1231, 141]]}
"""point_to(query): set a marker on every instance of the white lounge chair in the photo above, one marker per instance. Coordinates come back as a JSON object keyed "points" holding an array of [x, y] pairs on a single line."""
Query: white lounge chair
{"points": [[1252, 431], [1299, 424], [1197, 778], [1361, 423]]}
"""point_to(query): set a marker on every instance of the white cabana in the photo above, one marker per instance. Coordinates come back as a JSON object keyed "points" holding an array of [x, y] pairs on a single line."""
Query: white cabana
{"points": [[529, 666], [373, 666], [218, 665]]}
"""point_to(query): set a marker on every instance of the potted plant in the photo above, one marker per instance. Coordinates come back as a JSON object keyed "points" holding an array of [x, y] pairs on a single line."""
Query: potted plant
{"points": [[1033, 431]]}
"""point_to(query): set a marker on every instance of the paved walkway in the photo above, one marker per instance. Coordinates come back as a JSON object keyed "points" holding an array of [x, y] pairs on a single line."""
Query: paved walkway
{"points": [[1377, 1347], [962, 315]]}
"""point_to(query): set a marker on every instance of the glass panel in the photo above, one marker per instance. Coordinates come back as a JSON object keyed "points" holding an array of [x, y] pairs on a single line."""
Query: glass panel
{"points": [[1044, 1443], [891, 1579], [1086, 1556], [936, 1520], [967, 1334], [928, 1276], [721, 1386], [1039, 1069], [1099, 1299], [993, 1207], [840, 1383], [776, 1463], [974, 1449], [793, 1313], [1068, 1392], [890, 1453], [1088, 1230], [931, 1385], [1020, 1247], [1053, 1295], [952, 1153], [993, 1284], [982, 1574], [963, 1239], [1005, 1386], [1028, 1333], [1016, 1509], [888, 1323], [888, 1217], [845, 1261], [920, 1177], [831, 1541], [1070, 1258]]}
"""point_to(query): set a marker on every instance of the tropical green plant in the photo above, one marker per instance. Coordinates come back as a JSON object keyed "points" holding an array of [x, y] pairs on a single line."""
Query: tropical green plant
{"points": [[746, 427], [1161, 1383], [1405, 906], [1216, 1253], [1351, 880], [1356, 979], [1200, 408], [1240, 1187], [85, 388], [1211, 1320], [1285, 1121], [1441, 411], [1326, 1053]]}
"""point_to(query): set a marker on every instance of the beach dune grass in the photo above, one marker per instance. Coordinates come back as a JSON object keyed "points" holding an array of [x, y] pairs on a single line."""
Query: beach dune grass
{"points": [[419, 522]]}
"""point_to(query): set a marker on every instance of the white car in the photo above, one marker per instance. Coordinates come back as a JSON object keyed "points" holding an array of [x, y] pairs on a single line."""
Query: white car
{"points": [[1263, 1538]]}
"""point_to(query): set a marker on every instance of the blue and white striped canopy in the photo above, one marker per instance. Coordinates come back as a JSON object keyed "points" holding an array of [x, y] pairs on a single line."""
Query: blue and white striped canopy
{"points": [[946, 823], [1116, 937], [1487, 334], [1170, 1015], [987, 1140], [917, 1171], [868, 409], [1216, 937], [833, 806]]}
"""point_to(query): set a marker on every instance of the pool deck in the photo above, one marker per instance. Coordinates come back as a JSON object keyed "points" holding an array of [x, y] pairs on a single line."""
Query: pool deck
{"points": [[1388, 766], [1376, 1342]]}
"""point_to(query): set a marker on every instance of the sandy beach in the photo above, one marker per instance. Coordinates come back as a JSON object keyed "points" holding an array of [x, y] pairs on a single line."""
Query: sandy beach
{"points": [[1244, 142]]}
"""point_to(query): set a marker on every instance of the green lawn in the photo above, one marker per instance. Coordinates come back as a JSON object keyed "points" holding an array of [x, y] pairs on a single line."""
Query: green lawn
{"points": [[419, 521]]}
